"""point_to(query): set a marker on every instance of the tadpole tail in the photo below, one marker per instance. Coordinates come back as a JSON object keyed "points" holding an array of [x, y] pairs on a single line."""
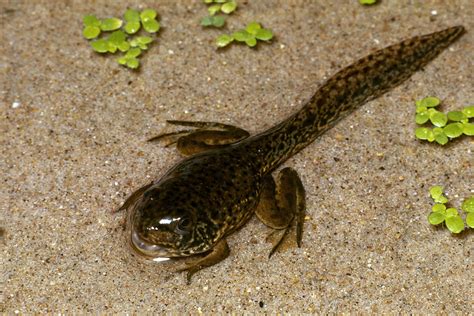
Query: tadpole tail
{"points": [[349, 88]]}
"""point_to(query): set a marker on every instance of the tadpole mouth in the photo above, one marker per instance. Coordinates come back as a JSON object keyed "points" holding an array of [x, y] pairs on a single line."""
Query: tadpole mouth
{"points": [[144, 248]]}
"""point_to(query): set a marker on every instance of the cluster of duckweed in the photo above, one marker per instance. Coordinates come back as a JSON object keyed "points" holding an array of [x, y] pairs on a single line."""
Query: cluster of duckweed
{"points": [[252, 33], [447, 126], [216, 6], [440, 213], [123, 37]]}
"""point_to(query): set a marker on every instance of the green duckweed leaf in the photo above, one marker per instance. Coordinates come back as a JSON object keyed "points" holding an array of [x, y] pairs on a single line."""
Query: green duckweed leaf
{"points": [[264, 35], [430, 102], [124, 46], [117, 37], [441, 139], [438, 119], [441, 199], [133, 63], [469, 111], [132, 16], [436, 191], [456, 116], [133, 52], [422, 118], [229, 7], [223, 40], [455, 224], [453, 130], [151, 26], [217, 21], [468, 129], [253, 27], [148, 15], [470, 219], [468, 205], [208, 1], [251, 42], [422, 133], [421, 108], [440, 208], [436, 218], [110, 24], [100, 46], [91, 32], [242, 36], [213, 9], [91, 20], [450, 212], [367, 2], [132, 27]]}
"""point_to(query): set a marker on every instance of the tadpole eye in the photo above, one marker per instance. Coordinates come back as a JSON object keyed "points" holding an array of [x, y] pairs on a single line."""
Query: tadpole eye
{"points": [[184, 225]]}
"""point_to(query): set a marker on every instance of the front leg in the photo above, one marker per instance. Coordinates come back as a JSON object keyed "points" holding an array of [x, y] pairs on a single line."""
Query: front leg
{"points": [[281, 205], [216, 255], [204, 136]]}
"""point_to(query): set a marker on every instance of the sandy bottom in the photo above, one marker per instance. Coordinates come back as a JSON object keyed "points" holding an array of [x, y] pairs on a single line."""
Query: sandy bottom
{"points": [[73, 130]]}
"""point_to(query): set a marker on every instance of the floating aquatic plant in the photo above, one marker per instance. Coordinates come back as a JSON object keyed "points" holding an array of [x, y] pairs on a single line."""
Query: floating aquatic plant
{"points": [[447, 126], [121, 37], [252, 33]]}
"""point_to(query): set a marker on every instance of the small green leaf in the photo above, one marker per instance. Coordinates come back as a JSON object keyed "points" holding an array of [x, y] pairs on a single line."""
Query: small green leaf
{"points": [[453, 130], [422, 133], [133, 63], [421, 108], [251, 42], [112, 47], [148, 15], [117, 37], [441, 139], [436, 191], [441, 199], [470, 220], [456, 116], [132, 27], [253, 27], [217, 21], [122, 60], [208, 1], [110, 24], [91, 32], [430, 102], [151, 26], [144, 39], [422, 118], [91, 20], [455, 224], [124, 46], [468, 129], [450, 212], [132, 16], [100, 46], [207, 21], [229, 7], [242, 36], [223, 40], [367, 2], [213, 9], [440, 208], [133, 52], [264, 35], [438, 119], [468, 205], [469, 111], [436, 218]]}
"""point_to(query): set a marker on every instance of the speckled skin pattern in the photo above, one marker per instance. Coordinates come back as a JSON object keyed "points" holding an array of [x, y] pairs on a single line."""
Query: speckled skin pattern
{"points": [[217, 191]]}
